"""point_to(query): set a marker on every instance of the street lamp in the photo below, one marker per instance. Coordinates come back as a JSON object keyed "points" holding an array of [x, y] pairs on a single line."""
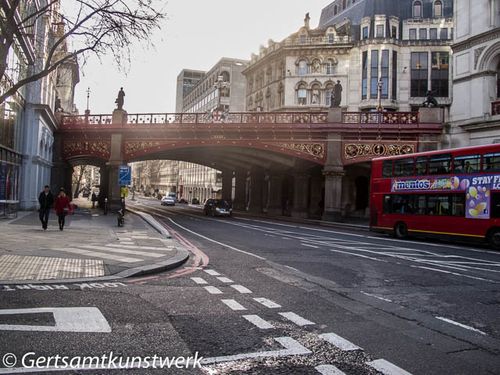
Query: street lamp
{"points": [[379, 87]]}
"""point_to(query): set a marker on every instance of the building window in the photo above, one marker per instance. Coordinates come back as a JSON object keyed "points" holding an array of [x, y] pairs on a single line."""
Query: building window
{"points": [[394, 75], [374, 75], [433, 33], [302, 94], [328, 94], [413, 34], [384, 74], [443, 34], [335, 10], [344, 4], [419, 71], [379, 31], [331, 38], [438, 9], [365, 32], [302, 39], [498, 80], [330, 67], [440, 74], [315, 94], [364, 75], [302, 68], [417, 9], [422, 34], [394, 32]]}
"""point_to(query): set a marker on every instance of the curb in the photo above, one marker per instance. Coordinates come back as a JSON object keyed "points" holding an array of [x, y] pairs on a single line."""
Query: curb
{"points": [[151, 221], [178, 259]]}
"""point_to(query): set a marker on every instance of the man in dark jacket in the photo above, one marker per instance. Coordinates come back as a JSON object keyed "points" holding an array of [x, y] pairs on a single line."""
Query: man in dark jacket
{"points": [[46, 200]]}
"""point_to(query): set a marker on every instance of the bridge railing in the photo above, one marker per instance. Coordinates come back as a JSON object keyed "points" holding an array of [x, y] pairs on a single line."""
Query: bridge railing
{"points": [[404, 118]]}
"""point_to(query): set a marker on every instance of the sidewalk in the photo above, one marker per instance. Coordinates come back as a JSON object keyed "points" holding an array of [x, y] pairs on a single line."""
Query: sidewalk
{"points": [[91, 246]]}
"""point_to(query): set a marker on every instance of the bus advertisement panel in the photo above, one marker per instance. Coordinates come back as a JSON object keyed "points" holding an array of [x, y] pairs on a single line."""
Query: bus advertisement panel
{"points": [[477, 189]]}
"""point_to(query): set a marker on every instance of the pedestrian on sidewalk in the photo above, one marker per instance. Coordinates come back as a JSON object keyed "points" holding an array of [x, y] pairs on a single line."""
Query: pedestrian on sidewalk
{"points": [[62, 207], [94, 199], [46, 200]]}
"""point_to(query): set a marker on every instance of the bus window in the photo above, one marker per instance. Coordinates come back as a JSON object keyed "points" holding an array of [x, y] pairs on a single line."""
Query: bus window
{"points": [[439, 164], [387, 168], [466, 164], [491, 162], [458, 205], [495, 205], [438, 205], [403, 167], [421, 166]]}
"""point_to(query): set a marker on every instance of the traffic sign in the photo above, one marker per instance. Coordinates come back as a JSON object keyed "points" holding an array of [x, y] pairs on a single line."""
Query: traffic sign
{"points": [[125, 175]]}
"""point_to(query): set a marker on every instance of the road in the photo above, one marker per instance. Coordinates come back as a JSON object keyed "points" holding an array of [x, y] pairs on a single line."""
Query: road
{"points": [[267, 297]]}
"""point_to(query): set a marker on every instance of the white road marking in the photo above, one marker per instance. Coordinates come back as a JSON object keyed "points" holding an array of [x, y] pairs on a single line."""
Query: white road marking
{"points": [[456, 274], [233, 305], [386, 367], [225, 280], [329, 370], [297, 319], [212, 290], [258, 321], [267, 303], [312, 246], [377, 297], [217, 242], [212, 272], [241, 289], [357, 255], [291, 347], [460, 325], [123, 251], [97, 254], [339, 342], [199, 280], [67, 319]]}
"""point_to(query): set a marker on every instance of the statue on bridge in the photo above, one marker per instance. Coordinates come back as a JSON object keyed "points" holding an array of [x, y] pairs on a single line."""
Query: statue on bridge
{"points": [[430, 101], [120, 99], [336, 95]]}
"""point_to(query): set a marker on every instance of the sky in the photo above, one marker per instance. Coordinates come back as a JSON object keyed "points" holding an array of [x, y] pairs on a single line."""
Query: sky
{"points": [[195, 35]]}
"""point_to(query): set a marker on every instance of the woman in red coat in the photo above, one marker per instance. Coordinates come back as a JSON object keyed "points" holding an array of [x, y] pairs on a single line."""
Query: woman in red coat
{"points": [[62, 207]]}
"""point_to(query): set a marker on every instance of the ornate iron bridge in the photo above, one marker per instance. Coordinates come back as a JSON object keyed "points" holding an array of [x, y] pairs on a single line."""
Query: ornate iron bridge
{"points": [[304, 135]]}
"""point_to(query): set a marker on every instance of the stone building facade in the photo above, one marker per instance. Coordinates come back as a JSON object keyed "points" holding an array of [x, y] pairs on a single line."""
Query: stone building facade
{"points": [[475, 113], [364, 54]]}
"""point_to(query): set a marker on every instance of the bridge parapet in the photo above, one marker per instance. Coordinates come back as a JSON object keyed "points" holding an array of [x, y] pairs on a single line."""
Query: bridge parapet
{"points": [[241, 118]]}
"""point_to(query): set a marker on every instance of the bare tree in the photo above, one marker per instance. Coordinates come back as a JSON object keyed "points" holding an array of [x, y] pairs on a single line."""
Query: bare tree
{"points": [[92, 27], [77, 179]]}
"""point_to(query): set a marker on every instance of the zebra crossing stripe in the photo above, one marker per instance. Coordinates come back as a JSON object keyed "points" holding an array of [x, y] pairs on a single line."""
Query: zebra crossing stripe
{"points": [[199, 280], [212, 272], [241, 289], [267, 303], [233, 305], [386, 367], [329, 370], [258, 321], [297, 319], [339, 342], [213, 290]]}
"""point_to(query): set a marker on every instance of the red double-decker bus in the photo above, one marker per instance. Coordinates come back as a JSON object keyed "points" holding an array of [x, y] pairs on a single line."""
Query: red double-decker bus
{"points": [[445, 193]]}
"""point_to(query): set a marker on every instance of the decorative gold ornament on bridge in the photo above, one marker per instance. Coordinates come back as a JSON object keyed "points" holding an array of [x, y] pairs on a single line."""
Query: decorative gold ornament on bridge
{"points": [[132, 147], [95, 147], [316, 150], [373, 150]]}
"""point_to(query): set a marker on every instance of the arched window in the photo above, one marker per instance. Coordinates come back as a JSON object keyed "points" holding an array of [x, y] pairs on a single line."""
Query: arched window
{"points": [[316, 66], [315, 94], [344, 4], [328, 94], [330, 66], [498, 80], [302, 68], [335, 10], [225, 76], [302, 94], [417, 9], [438, 8]]}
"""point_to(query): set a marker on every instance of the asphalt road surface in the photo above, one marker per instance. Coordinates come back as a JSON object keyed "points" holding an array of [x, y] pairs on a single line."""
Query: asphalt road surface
{"points": [[267, 297]]}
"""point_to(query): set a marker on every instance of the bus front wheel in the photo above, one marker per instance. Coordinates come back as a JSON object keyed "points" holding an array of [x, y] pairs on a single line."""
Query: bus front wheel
{"points": [[494, 239], [400, 230]]}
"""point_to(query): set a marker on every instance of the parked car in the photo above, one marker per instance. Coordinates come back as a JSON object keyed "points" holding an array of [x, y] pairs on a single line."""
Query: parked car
{"points": [[168, 201], [195, 201], [183, 201], [217, 207]]}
